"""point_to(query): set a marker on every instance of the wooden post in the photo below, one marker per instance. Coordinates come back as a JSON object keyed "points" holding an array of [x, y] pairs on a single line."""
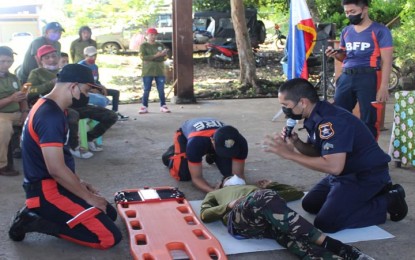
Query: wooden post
{"points": [[183, 52]]}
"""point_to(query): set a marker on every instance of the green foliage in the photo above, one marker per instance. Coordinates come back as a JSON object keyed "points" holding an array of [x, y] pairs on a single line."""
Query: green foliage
{"points": [[382, 11], [109, 14], [224, 5], [404, 36]]}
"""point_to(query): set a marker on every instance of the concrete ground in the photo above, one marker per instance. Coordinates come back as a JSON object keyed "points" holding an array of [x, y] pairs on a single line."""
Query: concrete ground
{"points": [[132, 159]]}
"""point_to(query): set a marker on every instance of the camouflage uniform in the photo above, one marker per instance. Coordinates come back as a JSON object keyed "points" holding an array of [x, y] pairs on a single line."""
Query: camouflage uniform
{"points": [[264, 214]]}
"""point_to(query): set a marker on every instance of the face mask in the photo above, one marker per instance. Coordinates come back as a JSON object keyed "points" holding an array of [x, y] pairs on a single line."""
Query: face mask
{"points": [[290, 114], [234, 180], [54, 37], [355, 19], [81, 102], [51, 67]]}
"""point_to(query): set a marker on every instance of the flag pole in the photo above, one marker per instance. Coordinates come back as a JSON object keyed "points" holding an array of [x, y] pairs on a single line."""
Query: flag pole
{"points": [[292, 42]]}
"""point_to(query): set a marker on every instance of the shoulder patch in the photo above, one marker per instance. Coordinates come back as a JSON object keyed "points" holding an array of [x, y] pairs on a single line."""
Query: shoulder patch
{"points": [[326, 130]]}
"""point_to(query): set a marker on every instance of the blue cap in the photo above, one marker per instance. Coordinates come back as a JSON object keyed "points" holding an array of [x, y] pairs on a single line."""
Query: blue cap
{"points": [[54, 26]]}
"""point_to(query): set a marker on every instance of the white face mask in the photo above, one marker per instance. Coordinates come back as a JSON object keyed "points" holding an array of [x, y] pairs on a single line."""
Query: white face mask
{"points": [[51, 67], [234, 180]]}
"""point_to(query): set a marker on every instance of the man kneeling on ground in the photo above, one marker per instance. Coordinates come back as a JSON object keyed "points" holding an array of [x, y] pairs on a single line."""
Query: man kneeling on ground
{"points": [[58, 203]]}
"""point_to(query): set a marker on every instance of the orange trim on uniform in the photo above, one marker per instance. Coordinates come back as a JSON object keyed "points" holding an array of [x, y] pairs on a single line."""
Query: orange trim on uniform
{"points": [[204, 133], [32, 203], [176, 158], [63, 203], [51, 145], [33, 111], [87, 213], [376, 52]]}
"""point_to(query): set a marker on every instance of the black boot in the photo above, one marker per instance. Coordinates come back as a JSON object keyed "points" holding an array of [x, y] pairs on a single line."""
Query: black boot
{"points": [[26, 221], [397, 207], [166, 156]]}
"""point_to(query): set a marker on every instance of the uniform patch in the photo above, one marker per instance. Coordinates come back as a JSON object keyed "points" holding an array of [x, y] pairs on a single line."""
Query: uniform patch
{"points": [[229, 143], [326, 130], [328, 146]]}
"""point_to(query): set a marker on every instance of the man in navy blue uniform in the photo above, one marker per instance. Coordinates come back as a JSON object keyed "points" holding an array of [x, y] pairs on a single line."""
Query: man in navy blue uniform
{"points": [[58, 202], [222, 144], [357, 191]]}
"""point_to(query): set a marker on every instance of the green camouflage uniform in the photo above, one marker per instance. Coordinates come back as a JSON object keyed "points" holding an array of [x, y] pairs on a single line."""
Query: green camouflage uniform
{"points": [[263, 213]]}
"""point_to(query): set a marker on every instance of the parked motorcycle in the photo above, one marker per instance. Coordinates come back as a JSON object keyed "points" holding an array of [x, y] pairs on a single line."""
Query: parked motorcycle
{"points": [[279, 39], [226, 56], [394, 77]]}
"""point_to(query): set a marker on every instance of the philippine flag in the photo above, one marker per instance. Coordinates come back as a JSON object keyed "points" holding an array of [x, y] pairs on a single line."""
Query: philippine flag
{"points": [[301, 39]]}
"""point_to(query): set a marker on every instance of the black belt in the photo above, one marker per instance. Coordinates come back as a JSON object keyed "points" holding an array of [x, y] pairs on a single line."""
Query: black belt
{"points": [[32, 186], [353, 71]]}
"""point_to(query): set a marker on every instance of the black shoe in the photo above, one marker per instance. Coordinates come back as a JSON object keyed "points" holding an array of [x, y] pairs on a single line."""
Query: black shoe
{"points": [[210, 158], [21, 223], [353, 253], [166, 156], [397, 207]]}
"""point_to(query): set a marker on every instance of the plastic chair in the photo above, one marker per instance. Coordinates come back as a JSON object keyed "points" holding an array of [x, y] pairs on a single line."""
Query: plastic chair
{"points": [[84, 126]]}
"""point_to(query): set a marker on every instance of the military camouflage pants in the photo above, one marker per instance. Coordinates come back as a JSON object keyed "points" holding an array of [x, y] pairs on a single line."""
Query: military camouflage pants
{"points": [[264, 214]]}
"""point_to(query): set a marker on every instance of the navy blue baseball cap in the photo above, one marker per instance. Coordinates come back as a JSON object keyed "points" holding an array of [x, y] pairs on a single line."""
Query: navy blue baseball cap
{"points": [[227, 141], [77, 73], [6, 51], [54, 26]]}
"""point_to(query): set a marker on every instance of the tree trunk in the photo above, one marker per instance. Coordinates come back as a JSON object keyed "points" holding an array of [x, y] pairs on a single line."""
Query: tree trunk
{"points": [[246, 57], [313, 10]]}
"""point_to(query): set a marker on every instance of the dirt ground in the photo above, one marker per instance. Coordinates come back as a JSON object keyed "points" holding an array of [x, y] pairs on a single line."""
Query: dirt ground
{"points": [[132, 159]]}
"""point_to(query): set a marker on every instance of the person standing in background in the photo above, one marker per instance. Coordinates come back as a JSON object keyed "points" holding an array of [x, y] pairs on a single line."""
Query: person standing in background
{"points": [[153, 55], [53, 32], [366, 52], [78, 46]]}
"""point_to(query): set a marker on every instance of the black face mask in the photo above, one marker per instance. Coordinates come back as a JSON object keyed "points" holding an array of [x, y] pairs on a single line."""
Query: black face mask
{"points": [[355, 19], [290, 114], [81, 102]]}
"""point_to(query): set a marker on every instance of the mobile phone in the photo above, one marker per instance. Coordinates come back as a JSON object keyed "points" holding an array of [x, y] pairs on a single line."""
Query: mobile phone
{"points": [[26, 87], [338, 50]]}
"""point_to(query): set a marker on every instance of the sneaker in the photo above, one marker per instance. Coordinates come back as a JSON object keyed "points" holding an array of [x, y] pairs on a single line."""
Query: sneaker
{"points": [[92, 146], [143, 110], [21, 222], [121, 117], [353, 253], [81, 153], [397, 207], [164, 109]]}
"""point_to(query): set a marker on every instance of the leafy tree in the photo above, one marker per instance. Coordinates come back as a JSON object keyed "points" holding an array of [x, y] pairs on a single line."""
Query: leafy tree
{"points": [[404, 36]]}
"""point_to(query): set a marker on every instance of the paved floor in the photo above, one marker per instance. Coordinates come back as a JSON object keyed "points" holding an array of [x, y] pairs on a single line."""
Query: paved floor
{"points": [[132, 158]]}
